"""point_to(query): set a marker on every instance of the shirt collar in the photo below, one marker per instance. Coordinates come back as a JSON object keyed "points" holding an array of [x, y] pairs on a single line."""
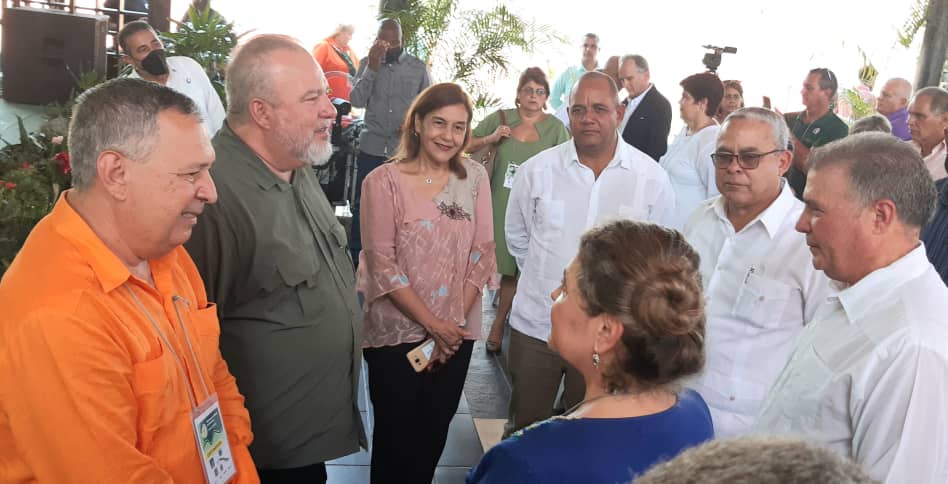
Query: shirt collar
{"points": [[899, 114], [860, 299], [638, 98], [109, 270], [772, 218], [263, 177], [621, 158]]}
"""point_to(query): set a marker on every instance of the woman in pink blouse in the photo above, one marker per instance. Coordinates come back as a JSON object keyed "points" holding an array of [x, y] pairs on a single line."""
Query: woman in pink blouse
{"points": [[428, 250]]}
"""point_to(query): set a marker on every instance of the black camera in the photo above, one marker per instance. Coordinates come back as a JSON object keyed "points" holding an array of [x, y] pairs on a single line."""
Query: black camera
{"points": [[712, 60]]}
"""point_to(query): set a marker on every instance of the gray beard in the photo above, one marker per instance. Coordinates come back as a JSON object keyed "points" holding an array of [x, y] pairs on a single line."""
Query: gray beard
{"points": [[317, 154]]}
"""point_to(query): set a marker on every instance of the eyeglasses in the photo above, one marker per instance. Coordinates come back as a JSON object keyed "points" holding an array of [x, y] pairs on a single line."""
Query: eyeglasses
{"points": [[747, 161], [526, 91], [733, 97]]}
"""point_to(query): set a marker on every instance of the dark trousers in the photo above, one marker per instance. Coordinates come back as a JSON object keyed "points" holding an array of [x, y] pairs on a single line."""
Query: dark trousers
{"points": [[312, 474], [412, 412], [365, 163]]}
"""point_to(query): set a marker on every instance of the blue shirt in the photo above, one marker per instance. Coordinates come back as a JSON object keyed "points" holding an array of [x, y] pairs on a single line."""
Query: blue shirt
{"points": [[592, 450], [935, 234]]}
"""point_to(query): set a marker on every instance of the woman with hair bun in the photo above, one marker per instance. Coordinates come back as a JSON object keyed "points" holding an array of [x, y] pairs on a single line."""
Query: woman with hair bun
{"points": [[629, 316]]}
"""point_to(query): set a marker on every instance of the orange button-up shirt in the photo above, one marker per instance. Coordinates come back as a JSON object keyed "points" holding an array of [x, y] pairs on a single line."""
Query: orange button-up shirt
{"points": [[88, 391]]}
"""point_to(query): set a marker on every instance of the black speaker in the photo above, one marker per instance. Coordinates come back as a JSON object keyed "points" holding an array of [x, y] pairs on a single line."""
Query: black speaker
{"points": [[45, 51]]}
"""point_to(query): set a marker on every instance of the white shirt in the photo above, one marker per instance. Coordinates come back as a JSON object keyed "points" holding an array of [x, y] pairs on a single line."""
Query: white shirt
{"points": [[869, 376], [188, 77], [689, 166], [631, 105], [554, 200], [761, 289], [935, 161]]}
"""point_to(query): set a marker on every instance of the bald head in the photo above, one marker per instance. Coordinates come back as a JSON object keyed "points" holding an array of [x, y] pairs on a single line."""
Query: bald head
{"points": [[894, 96], [597, 80], [390, 31]]}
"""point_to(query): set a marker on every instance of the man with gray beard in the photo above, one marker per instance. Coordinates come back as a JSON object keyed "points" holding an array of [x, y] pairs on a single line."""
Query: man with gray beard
{"points": [[276, 262]]}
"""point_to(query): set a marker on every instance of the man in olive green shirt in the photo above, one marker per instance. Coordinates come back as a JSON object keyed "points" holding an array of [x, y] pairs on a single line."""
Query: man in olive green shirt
{"points": [[276, 262], [815, 126]]}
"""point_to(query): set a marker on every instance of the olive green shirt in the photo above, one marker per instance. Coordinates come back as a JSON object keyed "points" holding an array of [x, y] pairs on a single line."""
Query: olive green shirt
{"points": [[276, 262]]}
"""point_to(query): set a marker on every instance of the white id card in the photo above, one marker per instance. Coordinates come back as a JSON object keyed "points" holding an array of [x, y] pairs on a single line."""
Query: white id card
{"points": [[509, 174], [212, 442]]}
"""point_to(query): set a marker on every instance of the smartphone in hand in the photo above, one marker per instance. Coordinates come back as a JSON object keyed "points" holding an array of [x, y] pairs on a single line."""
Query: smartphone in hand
{"points": [[420, 355]]}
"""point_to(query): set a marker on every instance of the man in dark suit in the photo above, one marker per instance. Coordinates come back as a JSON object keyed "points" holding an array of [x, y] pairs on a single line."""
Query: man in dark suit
{"points": [[648, 114]]}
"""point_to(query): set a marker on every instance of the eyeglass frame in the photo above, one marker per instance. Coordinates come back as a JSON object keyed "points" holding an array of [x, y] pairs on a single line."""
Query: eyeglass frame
{"points": [[741, 156], [529, 91]]}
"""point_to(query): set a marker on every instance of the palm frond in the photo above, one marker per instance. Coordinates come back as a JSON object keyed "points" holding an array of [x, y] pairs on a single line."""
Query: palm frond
{"points": [[914, 23]]}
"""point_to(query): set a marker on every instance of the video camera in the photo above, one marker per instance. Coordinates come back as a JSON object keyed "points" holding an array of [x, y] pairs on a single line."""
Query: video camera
{"points": [[712, 60]]}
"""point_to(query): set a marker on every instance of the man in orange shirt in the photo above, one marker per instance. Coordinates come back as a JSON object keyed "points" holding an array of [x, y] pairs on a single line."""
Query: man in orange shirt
{"points": [[109, 362]]}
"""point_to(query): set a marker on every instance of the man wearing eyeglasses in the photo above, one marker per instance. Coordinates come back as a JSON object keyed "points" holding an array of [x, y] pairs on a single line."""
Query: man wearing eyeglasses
{"points": [[815, 126], [755, 267]]}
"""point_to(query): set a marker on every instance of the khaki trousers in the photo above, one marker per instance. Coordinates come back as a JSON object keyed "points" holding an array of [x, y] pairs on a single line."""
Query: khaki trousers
{"points": [[536, 372]]}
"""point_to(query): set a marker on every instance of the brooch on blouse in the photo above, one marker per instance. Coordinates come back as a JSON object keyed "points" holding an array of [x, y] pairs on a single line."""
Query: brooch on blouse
{"points": [[454, 211]]}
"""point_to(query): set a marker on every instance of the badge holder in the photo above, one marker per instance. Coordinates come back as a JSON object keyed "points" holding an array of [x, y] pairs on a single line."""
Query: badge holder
{"points": [[210, 436], [212, 443]]}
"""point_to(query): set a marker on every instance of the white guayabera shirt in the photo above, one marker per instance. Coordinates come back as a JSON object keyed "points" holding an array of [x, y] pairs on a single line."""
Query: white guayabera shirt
{"points": [[762, 289], [869, 377], [554, 200]]}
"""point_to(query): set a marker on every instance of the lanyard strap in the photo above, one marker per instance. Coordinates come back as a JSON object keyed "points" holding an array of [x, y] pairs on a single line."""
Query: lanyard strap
{"points": [[167, 342]]}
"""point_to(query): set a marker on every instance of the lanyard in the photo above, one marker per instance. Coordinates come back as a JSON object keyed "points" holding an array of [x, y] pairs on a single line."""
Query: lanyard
{"points": [[197, 364]]}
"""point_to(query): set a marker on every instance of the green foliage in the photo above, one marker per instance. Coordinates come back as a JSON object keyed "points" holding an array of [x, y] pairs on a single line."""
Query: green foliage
{"points": [[860, 108], [469, 46], [915, 22], [33, 172], [207, 38]]}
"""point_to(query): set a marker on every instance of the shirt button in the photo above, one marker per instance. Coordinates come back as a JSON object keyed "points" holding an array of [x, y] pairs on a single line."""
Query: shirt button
{"points": [[761, 298], [732, 398], [389, 110]]}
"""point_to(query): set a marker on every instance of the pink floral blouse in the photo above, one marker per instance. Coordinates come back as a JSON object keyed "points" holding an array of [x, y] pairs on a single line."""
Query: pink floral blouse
{"points": [[435, 246]]}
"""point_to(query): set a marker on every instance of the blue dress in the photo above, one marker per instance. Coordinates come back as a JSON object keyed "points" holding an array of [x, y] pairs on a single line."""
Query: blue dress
{"points": [[596, 450]]}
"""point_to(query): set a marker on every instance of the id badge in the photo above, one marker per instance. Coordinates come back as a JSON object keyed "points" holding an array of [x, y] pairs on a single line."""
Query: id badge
{"points": [[509, 175], [212, 443]]}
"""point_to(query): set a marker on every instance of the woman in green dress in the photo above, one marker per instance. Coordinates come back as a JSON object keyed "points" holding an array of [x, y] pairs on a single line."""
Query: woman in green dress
{"points": [[528, 130]]}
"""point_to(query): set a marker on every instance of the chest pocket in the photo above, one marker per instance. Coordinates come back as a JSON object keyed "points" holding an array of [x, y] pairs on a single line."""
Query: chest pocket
{"points": [[153, 383], [550, 215], [761, 301]]}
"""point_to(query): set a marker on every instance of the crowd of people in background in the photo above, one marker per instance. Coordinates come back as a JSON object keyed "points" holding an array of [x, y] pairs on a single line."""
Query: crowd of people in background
{"points": [[763, 296]]}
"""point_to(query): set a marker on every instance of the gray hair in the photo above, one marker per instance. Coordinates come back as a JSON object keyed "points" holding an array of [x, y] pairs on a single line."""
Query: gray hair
{"points": [[131, 29], [882, 167], [249, 74], [752, 460], [639, 61], [778, 126], [875, 122], [119, 115], [938, 98]]}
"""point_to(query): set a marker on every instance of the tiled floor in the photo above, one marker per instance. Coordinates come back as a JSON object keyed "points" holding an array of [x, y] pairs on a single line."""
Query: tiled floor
{"points": [[33, 117], [462, 451], [485, 399]]}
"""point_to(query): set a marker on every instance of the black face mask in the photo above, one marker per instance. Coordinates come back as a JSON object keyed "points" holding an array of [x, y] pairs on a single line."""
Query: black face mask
{"points": [[155, 63], [391, 55]]}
